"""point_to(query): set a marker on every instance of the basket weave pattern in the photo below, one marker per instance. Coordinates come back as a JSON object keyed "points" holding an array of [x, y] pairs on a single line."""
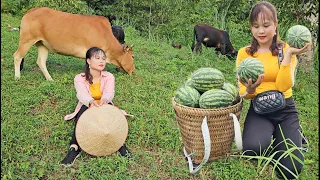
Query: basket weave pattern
{"points": [[220, 125]]}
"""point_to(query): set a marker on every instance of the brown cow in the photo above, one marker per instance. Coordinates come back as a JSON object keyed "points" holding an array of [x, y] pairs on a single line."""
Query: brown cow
{"points": [[70, 35]]}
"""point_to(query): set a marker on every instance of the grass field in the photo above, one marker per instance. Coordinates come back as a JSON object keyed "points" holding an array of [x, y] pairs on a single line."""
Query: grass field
{"points": [[35, 138]]}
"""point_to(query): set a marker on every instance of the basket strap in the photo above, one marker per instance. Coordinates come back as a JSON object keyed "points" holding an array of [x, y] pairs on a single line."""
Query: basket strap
{"points": [[237, 132], [207, 148]]}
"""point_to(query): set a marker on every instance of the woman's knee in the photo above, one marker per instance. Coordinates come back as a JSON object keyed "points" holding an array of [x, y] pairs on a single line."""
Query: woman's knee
{"points": [[255, 148], [82, 109]]}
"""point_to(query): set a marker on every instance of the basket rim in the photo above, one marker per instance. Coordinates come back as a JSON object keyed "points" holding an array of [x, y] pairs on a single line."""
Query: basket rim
{"points": [[174, 103]]}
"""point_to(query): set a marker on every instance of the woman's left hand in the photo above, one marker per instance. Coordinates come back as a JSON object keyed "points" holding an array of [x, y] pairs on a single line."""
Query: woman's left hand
{"points": [[102, 102], [292, 50]]}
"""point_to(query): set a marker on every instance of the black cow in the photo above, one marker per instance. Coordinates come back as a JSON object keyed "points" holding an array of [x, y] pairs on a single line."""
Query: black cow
{"points": [[213, 37], [118, 33]]}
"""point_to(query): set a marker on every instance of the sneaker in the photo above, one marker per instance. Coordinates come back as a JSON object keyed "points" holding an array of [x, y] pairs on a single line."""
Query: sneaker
{"points": [[124, 151], [71, 157]]}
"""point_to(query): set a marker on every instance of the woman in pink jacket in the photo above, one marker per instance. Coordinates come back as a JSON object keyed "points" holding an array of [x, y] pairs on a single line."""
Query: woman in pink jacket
{"points": [[94, 87]]}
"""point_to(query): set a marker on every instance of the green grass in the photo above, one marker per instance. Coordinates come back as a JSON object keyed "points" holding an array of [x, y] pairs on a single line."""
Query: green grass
{"points": [[35, 138]]}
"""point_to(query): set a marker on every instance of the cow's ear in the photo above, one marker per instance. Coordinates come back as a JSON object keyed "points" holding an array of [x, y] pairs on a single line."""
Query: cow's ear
{"points": [[127, 48]]}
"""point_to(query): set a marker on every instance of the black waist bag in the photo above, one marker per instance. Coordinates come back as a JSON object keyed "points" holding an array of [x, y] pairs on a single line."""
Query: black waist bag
{"points": [[268, 102]]}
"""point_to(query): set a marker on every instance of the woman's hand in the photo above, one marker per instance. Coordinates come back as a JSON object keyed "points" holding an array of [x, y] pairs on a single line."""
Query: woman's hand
{"points": [[295, 51], [251, 87], [93, 103], [102, 102]]}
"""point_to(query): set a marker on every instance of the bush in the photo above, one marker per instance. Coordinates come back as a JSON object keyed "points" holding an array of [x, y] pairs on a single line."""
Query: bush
{"points": [[316, 58], [19, 7]]}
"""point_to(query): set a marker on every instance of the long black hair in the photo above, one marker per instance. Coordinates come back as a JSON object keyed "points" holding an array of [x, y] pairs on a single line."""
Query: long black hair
{"points": [[265, 8], [91, 52]]}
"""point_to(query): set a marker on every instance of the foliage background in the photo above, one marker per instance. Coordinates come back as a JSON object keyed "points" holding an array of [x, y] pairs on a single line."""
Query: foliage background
{"points": [[34, 137], [175, 19]]}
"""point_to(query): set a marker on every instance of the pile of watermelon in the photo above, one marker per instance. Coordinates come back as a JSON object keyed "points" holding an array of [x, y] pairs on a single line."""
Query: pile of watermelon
{"points": [[207, 89]]}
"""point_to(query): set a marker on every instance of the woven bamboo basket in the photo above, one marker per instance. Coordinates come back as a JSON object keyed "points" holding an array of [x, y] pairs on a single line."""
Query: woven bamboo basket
{"points": [[220, 125]]}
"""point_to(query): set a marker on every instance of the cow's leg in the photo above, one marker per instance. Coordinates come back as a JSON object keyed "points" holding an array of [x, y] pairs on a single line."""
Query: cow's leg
{"points": [[199, 47], [42, 59], [217, 51], [18, 56], [199, 43]]}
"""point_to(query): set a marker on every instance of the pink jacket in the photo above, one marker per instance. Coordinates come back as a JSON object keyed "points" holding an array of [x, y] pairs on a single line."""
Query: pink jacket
{"points": [[83, 91]]}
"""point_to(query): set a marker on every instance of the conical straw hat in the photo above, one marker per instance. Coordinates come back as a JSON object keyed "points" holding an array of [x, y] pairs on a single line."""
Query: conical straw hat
{"points": [[101, 130]]}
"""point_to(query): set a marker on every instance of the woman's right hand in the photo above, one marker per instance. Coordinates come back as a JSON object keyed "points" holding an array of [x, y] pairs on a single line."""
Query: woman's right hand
{"points": [[251, 87]]}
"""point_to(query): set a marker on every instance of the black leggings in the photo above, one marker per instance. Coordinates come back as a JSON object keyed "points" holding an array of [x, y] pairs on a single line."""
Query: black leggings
{"points": [[259, 129], [73, 138]]}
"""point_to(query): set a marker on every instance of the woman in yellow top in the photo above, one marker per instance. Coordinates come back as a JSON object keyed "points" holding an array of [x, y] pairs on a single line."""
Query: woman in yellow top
{"points": [[259, 129]]}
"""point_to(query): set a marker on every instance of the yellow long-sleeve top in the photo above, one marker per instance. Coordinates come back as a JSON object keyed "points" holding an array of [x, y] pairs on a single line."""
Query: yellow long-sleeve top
{"points": [[274, 78], [96, 92]]}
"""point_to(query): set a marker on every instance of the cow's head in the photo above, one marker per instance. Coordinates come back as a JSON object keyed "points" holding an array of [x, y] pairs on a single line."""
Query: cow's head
{"points": [[228, 50], [126, 62], [231, 53]]}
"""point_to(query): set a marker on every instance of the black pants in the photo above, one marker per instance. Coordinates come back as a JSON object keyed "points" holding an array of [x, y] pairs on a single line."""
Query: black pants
{"points": [[259, 129], [73, 138]]}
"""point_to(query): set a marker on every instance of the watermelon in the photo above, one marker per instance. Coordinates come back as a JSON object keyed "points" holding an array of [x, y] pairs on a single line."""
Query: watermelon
{"points": [[189, 82], [298, 36], [250, 68], [230, 88], [215, 98], [187, 96], [205, 79]]}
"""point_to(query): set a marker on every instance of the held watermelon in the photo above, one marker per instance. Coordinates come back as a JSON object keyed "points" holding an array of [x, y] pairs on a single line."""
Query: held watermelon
{"points": [[298, 36], [250, 68], [187, 96], [205, 79], [215, 98]]}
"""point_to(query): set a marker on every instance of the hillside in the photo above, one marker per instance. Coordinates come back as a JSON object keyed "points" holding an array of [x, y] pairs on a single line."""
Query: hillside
{"points": [[35, 138]]}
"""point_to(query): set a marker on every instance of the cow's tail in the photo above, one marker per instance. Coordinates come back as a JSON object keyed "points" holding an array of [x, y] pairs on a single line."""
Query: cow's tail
{"points": [[194, 38]]}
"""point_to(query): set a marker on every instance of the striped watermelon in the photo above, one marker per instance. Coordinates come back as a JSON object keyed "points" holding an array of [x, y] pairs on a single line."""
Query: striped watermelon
{"points": [[230, 88], [205, 79], [187, 96], [189, 83], [250, 68], [215, 98], [298, 36]]}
